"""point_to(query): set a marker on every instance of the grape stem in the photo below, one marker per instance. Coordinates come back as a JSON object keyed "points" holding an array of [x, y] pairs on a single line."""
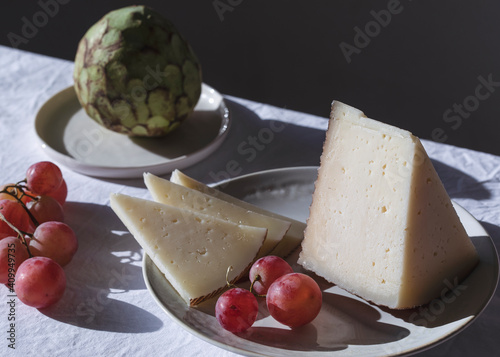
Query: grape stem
{"points": [[229, 285], [257, 278], [19, 187], [20, 234]]}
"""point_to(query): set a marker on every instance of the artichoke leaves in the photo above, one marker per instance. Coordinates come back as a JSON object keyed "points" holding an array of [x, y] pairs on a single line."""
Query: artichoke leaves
{"points": [[135, 74]]}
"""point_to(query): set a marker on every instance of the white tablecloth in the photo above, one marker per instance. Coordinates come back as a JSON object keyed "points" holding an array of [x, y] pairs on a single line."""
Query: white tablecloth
{"points": [[106, 309]]}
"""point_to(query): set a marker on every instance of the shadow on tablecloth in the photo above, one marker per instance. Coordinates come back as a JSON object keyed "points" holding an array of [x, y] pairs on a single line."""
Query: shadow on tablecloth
{"points": [[459, 184], [105, 288], [256, 144]]}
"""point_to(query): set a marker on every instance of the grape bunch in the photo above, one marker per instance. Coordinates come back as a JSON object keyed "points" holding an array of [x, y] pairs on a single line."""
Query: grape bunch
{"points": [[293, 299], [35, 243]]}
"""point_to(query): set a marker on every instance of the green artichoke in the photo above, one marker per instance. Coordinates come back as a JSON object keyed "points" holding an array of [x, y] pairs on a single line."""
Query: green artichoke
{"points": [[135, 74]]}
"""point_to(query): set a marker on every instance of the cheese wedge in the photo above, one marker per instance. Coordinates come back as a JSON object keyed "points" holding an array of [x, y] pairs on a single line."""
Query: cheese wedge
{"points": [[192, 250], [293, 237], [381, 223], [176, 195]]}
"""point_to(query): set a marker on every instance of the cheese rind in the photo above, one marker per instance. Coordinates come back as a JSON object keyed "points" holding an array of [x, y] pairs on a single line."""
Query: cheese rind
{"points": [[293, 237], [381, 224], [183, 197], [192, 250]]}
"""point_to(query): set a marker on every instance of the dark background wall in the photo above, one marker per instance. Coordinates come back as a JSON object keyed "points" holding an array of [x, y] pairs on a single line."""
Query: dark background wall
{"points": [[432, 67]]}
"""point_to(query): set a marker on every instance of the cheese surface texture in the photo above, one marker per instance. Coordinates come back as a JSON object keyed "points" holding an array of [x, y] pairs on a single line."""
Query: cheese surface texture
{"points": [[293, 236], [176, 195], [381, 223], [192, 250]]}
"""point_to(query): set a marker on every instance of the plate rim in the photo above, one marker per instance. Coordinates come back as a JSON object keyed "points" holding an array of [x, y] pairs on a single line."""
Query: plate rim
{"points": [[147, 260], [96, 170]]}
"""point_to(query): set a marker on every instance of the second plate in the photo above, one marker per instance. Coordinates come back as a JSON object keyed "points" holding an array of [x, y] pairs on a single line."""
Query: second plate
{"points": [[73, 139]]}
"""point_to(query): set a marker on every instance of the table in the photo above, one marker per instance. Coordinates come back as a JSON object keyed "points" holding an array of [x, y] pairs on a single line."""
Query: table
{"points": [[106, 309]]}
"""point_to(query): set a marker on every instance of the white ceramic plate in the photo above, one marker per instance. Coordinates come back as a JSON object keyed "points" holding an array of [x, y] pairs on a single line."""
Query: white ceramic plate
{"points": [[346, 325], [73, 139]]}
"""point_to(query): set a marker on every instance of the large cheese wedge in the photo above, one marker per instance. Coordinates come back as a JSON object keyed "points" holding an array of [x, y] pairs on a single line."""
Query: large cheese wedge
{"points": [[176, 195], [192, 250], [293, 237], [381, 224]]}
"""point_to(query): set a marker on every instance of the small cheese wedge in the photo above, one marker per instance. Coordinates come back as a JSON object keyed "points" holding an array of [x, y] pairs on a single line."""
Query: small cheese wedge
{"points": [[293, 237], [381, 223], [192, 250], [176, 195]]}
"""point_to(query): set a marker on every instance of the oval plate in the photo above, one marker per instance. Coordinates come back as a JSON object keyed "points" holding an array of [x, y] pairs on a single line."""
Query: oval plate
{"points": [[346, 324], [73, 139]]}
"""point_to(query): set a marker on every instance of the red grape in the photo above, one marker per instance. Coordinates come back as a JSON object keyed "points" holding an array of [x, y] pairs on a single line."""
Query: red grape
{"points": [[294, 299], [43, 177], [16, 215], [265, 271], [236, 310], [12, 254], [45, 209], [40, 282], [55, 240], [61, 193]]}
